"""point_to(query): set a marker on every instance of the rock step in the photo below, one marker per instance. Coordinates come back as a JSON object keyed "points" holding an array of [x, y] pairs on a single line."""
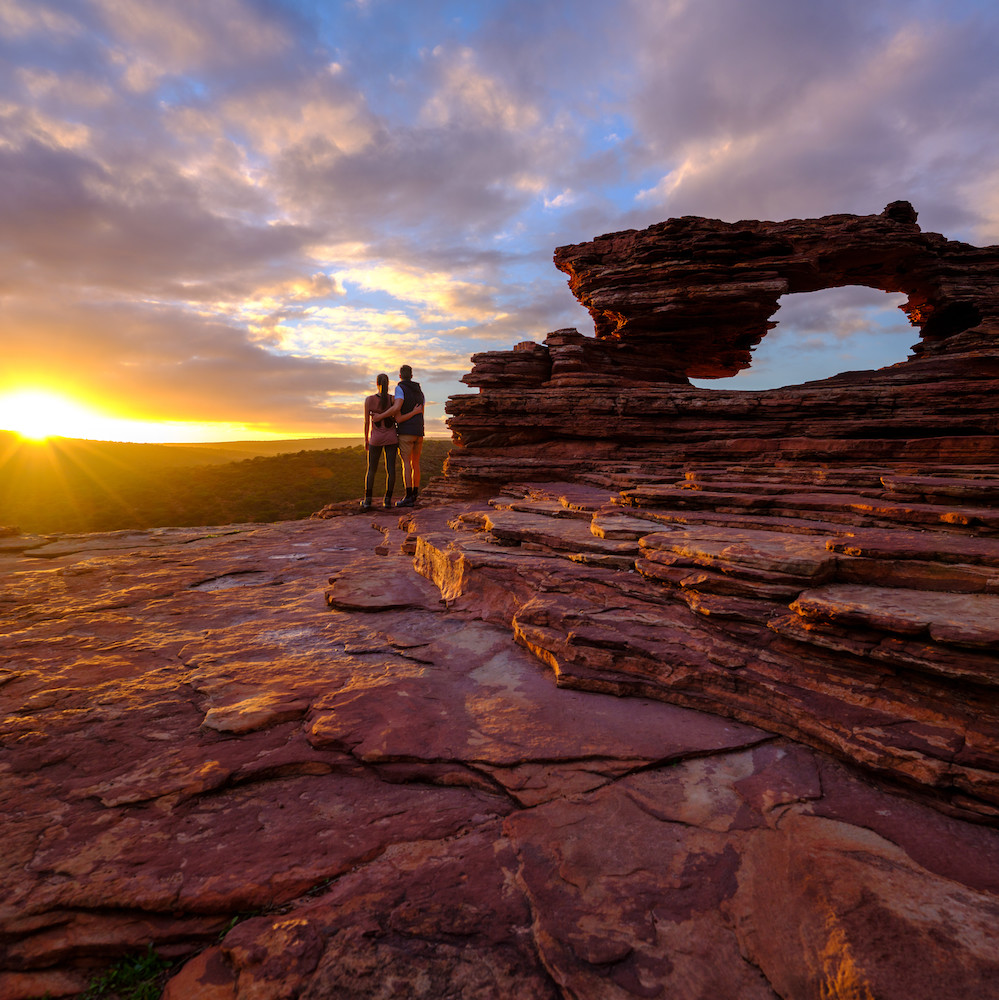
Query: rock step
{"points": [[896, 544], [765, 520], [558, 534], [850, 479], [867, 476], [847, 508], [777, 565], [928, 489], [774, 488], [936, 490], [965, 620], [578, 497], [547, 508]]}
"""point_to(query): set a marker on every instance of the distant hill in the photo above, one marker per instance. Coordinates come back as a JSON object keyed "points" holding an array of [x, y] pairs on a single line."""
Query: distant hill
{"points": [[234, 451], [70, 485]]}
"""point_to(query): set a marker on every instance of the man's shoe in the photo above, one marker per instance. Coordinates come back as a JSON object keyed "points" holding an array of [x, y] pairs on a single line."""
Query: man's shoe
{"points": [[405, 502], [366, 503]]}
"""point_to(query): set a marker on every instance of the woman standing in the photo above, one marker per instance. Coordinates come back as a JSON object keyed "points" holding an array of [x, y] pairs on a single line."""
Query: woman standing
{"points": [[379, 435]]}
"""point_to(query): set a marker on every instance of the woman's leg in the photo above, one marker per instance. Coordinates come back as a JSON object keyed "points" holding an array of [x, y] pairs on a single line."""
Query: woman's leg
{"points": [[390, 450], [374, 454]]}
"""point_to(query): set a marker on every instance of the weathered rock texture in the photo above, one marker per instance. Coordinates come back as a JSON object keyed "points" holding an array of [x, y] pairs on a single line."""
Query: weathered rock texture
{"points": [[692, 296], [819, 560], [374, 792]]}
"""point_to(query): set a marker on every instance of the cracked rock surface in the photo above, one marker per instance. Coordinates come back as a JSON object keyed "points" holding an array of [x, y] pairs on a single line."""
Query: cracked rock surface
{"points": [[366, 788]]}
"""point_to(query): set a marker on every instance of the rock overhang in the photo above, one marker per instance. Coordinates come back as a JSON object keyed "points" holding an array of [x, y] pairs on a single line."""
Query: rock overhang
{"points": [[698, 294]]}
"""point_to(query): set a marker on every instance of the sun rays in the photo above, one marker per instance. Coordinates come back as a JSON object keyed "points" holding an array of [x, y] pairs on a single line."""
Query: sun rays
{"points": [[37, 414]]}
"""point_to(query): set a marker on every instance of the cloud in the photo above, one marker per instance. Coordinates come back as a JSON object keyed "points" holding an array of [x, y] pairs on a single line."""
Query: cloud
{"points": [[438, 294], [22, 18], [317, 116], [71, 218], [828, 109], [465, 95], [185, 36], [158, 363]]}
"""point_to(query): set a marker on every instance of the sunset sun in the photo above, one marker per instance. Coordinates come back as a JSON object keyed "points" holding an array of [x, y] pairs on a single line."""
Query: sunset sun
{"points": [[38, 414]]}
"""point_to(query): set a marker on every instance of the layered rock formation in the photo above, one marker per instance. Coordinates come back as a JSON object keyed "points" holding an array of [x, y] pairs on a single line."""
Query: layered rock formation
{"points": [[819, 560], [854, 621], [689, 298]]}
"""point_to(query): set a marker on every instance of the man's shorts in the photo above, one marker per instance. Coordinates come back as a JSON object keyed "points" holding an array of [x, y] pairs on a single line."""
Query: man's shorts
{"points": [[406, 443]]}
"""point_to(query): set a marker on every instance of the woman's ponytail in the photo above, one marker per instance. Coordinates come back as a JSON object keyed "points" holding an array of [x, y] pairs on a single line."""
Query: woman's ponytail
{"points": [[383, 398]]}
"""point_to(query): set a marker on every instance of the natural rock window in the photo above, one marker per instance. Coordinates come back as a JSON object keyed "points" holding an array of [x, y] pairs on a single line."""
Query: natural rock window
{"points": [[821, 334]]}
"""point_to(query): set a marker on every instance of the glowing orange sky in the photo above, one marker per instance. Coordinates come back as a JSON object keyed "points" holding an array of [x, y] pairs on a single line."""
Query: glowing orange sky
{"points": [[39, 414]]}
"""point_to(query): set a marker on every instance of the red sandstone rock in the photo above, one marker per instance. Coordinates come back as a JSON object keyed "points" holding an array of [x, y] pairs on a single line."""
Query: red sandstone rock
{"points": [[690, 297], [193, 733], [700, 292], [698, 626]]}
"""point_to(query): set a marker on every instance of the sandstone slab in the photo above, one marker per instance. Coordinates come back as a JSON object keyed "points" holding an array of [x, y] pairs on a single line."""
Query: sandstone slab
{"points": [[958, 619]]}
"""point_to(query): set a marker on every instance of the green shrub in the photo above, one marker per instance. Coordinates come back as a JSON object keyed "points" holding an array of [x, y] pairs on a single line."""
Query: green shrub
{"points": [[135, 977]]}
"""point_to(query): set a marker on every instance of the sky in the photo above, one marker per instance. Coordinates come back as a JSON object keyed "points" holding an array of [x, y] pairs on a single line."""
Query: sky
{"points": [[221, 220]]}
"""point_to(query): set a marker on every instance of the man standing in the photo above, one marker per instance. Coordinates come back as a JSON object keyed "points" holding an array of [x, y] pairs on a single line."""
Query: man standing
{"points": [[410, 427]]}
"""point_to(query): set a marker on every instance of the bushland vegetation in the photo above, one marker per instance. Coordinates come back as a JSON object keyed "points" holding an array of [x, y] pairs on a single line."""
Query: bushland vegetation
{"points": [[69, 485]]}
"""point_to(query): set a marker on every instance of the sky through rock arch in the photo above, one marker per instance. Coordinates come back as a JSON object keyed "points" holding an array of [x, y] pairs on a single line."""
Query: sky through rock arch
{"points": [[824, 333]]}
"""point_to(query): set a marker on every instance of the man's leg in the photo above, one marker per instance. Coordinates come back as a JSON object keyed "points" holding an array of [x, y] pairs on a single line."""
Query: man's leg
{"points": [[414, 460], [406, 451]]}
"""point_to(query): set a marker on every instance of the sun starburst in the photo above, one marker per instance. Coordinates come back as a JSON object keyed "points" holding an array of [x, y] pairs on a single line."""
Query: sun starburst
{"points": [[37, 414]]}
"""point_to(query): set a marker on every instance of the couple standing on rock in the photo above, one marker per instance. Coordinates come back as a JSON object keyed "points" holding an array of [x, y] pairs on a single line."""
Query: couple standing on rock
{"points": [[390, 427]]}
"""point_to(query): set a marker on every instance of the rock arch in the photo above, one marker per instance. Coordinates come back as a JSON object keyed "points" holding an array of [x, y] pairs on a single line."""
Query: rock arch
{"points": [[690, 297]]}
